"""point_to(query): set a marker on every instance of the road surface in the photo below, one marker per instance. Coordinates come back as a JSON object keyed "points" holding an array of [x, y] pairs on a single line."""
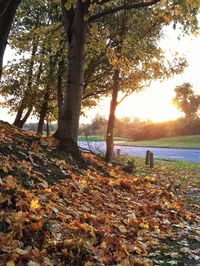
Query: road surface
{"points": [[192, 155]]}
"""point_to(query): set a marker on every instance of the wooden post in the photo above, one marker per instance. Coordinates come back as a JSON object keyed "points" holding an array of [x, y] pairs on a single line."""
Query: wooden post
{"points": [[118, 152], [147, 160], [151, 163]]}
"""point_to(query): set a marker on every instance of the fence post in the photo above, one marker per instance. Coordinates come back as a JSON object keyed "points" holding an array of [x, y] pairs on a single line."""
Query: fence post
{"points": [[151, 160], [147, 160], [118, 152]]}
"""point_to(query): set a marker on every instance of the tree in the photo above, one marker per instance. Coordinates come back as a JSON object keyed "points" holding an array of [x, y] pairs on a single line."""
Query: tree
{"points": [[7, 12], [76, 19], [77, 16], [29, 83], [186, 100], [136, 60]]}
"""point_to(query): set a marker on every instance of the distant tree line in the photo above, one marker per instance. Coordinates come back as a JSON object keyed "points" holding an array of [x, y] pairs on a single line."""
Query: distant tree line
{"points": [[143, 130]]}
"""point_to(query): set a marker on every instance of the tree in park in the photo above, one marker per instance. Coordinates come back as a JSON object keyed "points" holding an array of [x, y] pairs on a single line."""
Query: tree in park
{"points": [[7, 12], [29, 84], [135, 60], [186, 100], [77, 18], [77, 15], [26, 85]]}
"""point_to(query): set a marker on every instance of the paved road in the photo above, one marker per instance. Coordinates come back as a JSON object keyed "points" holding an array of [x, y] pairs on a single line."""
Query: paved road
{"points": [[192, 155]]}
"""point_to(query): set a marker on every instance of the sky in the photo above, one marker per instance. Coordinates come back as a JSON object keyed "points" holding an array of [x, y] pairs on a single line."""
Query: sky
{"points": [[155, 102]]}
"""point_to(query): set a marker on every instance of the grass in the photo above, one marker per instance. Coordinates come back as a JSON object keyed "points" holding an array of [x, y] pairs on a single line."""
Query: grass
{"points": [[91, 138], [96, 138], [192, 141]]}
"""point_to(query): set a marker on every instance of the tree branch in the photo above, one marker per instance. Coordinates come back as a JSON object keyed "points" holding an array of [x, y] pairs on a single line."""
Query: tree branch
{"points": [[123, 7], [121, 100]]}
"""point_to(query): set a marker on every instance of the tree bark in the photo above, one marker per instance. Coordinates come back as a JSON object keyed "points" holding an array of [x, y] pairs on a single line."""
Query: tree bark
{"points": [[19, 121], [43, 112], [44, 107], [111, 120], [7, 13], [68, 122], [19, 115], [26, 116], [47, 127], [59, 87]]}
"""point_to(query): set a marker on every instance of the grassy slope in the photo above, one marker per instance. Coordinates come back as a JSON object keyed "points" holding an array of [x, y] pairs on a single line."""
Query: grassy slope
{"points": [[192, 141], [55, 214]]}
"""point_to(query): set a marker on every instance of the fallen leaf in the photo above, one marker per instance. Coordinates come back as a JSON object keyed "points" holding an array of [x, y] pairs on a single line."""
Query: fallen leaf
{"points": [[10, 263], [34, 205], [122, 229]]}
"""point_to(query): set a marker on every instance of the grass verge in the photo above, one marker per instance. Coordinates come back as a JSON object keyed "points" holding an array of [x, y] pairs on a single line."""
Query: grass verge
{"points": [[192, 141], [96, 138]]}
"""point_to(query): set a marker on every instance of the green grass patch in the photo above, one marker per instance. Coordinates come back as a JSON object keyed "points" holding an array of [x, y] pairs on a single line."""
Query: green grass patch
{"points": [[90, 138], [192, 141], [96, 138], [186, 173]]}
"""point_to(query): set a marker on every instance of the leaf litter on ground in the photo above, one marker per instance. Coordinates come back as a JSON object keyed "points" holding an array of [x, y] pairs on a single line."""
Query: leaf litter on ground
{"points": [[55, 214]]}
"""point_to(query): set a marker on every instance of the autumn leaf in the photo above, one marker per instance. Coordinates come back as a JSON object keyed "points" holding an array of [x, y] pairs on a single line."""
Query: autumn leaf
{"points": [[103, 245], [34, 205], [37, 225], [124, 219], [144, 226], [10, 263], [36, 146], [122, 229]]}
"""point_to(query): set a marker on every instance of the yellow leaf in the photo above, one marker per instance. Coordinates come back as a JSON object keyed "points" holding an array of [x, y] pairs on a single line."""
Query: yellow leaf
{"points": [[103, 245], [157, 230], [10, 263], [88, 263], [5, 169], [22, 251], [144, 226], [83, 183], [122, 229], [34, 205]]}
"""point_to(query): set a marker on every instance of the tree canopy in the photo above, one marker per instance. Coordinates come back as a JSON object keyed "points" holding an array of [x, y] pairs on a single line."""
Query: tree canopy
{"points": [[186, 100]]}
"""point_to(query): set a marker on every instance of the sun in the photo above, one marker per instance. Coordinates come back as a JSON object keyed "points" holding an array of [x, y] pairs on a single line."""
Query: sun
{"points": [[155, 104]]}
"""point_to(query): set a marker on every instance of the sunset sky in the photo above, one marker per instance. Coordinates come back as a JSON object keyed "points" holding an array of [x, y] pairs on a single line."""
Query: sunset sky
{"points": [[155, 102]]}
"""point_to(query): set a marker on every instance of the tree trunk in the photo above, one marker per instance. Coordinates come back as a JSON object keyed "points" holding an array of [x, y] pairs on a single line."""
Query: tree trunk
{"points": [[47, 127], [59, 87], [111, 120], [68, 123], [44, 107], [19, 121], [43, 112], [7, 14], [26, 116], [19, 115]]}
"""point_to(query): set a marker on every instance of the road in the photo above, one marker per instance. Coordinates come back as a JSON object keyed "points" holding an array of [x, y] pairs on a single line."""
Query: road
{"points": [[192, 155]]}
